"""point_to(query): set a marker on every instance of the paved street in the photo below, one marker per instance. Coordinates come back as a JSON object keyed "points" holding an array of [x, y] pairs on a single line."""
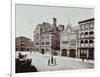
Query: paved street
{"points": [[40, 61]]}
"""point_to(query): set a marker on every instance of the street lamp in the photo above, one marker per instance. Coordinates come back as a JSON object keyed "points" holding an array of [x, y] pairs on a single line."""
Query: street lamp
{"points": [[52, 51], [52, 61]]}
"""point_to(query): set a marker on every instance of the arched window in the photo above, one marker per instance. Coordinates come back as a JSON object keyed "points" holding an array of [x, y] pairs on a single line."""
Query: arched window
{"points": [[90, 41], [86, 33], [91, 33], [86, 41], [81, 41]]}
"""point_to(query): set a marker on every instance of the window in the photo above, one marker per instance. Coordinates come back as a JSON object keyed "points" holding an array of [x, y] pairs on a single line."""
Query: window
{"points": [[42, 37], [86, 34], [47, 43], [81, 41], [22, 40], [81, 26], [37, 43], [22, 44], [73, 43], [82, 35], [86, 41], [91, 41], [65, 42], [86, 26], [42, 43], [47, 50], [91, 33], [47, 37], [91, 25], [73, 36]]}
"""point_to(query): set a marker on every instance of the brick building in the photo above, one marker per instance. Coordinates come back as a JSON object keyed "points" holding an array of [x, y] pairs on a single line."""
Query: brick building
{"points": [[68, 41], [86, 41], [24, 44], [47, 37]]}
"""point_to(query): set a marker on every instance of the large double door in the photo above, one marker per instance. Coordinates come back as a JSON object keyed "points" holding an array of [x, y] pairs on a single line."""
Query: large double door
{"points": [[91, 53], [64, 52], [72, 53]]}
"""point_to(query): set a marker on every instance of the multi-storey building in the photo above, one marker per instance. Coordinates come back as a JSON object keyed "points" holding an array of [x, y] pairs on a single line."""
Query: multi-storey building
{"points": [[24, 44], [68, 41], [47, 37], [86, 40]]}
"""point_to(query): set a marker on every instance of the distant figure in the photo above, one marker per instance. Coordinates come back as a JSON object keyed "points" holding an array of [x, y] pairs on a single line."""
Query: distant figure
{"points": [[49, 62], [55, 61], [83, 59], [20, 56]]}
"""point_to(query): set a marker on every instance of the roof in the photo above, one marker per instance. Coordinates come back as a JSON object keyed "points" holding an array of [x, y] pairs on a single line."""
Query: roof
{"points": [[87, 20], [47, 27], [23, 37]]}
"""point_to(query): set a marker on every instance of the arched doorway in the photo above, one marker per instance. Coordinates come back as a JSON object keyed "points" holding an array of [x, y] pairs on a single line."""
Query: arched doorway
{"points": [[64, 52], [42, 51], [72, 53]]}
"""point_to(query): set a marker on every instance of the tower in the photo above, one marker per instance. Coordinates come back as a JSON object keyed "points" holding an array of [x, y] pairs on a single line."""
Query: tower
{"points": [[54, 21]]}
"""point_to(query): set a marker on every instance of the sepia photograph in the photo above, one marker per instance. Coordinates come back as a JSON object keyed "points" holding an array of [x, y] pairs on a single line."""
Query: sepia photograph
{"points": [[53, 38]]}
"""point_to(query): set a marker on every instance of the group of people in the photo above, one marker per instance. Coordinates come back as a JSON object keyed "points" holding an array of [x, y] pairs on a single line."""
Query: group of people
{"points": [[23, 64], [22, 56]]}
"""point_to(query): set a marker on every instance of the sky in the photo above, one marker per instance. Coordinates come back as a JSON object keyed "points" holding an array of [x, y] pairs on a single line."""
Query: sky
{"points": [[28, 16]]}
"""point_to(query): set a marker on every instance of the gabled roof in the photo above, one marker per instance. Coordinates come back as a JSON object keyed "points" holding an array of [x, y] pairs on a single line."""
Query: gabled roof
{"points": [[54, 28], [68, 27]]}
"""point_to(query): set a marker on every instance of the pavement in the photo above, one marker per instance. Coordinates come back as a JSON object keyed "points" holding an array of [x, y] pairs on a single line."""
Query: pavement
{"points": [[40, 61]]}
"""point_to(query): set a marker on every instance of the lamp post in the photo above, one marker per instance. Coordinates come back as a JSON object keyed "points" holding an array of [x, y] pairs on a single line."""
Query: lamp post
{"points": [[52, 61], [52, 52]]}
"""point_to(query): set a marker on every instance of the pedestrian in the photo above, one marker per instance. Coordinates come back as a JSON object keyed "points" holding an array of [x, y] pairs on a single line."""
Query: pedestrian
{"points": [[55, 61], [48, 61], [82, 59]]}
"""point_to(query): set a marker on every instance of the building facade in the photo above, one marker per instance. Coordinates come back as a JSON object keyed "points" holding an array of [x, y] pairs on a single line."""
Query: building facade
{"points": [[86, 40], [68, 41], [24, 44], [47, 37]]}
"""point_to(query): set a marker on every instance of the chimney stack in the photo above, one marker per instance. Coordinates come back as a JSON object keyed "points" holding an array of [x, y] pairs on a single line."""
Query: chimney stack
{"points": [[54, 21]]}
